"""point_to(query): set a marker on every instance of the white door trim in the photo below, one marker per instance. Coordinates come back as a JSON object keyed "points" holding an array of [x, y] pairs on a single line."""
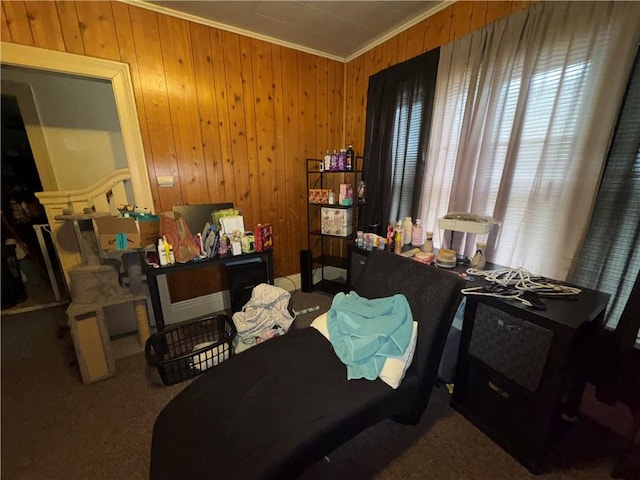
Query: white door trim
{"points": [[119, 75]]}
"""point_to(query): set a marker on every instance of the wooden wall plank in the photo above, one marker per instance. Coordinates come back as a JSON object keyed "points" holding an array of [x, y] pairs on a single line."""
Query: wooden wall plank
{"points": [[18, 23], [265, 132], [45, 27], [336, 105], [497, 10], [296, 235], [4, 26], [126, 44], [438, 29], [146, 36], [401, 54], [206, 89], [253, 217], [322, 107], [222, 107], [98, 29], [461, 19], [389, 53], [237, 127], [283, 262], [517, 5], [183, 108], [478, 15], [415, 40], [70, 27], [307, 143]]}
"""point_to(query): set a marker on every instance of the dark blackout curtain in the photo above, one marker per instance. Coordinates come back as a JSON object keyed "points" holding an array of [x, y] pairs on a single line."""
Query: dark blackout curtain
{"points": [[393, 126], [610, 256]]}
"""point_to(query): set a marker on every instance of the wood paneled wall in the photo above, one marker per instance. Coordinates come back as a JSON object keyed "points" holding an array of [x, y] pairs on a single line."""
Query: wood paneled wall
{"points": [[229, 117], [445, 26]]}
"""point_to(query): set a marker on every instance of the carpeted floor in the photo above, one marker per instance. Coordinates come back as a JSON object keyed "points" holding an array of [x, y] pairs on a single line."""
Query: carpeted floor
{"points": [[53, 427]]}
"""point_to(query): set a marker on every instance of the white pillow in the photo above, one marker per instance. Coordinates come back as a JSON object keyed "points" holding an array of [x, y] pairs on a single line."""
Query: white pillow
{"points": [[394, 369]]}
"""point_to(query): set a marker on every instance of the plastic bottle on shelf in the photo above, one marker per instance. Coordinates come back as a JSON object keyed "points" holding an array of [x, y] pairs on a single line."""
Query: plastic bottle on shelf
{"points": [[351, 158], [343, 160], [327, 161], [408, 227], [334, 161], [416, 234]]}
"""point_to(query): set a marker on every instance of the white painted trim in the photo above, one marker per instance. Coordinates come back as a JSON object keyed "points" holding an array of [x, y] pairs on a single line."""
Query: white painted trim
{"points": [[120, 76], [228, 28], [400, 29]]}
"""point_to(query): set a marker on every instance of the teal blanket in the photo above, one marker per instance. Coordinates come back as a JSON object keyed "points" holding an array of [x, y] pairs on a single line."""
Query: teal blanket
{"points": [[364, 333]]}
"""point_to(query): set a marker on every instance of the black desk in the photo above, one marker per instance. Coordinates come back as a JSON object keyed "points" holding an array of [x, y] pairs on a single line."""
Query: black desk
{"points": [[152, 275]]}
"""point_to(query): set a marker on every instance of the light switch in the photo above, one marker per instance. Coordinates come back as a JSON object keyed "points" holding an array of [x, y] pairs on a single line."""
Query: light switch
{"points": [[165, 181]]}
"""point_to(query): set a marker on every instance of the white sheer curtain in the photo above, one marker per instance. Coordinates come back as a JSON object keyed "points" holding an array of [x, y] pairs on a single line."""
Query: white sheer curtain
{"points": [[523, 116]]}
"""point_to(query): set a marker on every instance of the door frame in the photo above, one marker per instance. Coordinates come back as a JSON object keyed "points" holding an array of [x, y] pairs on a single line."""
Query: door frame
{"points": [[119, 75]]}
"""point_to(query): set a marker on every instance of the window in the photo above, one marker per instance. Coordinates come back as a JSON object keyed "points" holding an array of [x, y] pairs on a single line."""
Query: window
{"points": [[404, 152], [523, 114]]}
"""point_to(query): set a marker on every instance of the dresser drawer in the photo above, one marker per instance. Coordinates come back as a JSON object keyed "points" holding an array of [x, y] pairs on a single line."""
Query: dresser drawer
{"points": [[507, 416]]}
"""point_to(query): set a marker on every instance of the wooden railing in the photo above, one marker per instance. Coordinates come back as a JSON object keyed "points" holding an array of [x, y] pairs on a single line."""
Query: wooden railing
{"points": [[103, 196]]}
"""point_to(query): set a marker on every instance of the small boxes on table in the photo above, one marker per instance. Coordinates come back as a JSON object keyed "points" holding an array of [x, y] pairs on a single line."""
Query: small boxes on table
{"points": [[319, 195], [337, 221]]}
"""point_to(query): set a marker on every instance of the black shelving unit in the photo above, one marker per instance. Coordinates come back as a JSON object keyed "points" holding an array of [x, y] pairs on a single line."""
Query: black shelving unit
{"points": [[317, 241]]}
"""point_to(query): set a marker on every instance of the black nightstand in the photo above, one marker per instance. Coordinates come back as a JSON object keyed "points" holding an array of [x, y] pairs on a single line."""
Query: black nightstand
{"points": [[520, 372]]}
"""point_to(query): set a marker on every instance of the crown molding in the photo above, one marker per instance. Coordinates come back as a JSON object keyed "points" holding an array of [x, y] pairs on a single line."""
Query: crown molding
{"points": [[400, 29]]}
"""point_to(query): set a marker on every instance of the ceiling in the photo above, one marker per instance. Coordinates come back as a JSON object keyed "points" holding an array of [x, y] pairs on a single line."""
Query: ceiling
{"points": [[337, 30]]}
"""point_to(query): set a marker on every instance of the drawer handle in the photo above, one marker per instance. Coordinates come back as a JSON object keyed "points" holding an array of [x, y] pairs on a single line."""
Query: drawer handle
{"points": [[498, 390]]}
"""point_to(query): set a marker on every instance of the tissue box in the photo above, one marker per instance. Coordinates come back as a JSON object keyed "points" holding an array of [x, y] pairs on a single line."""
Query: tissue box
{"points": [[319, 195], [337, 221]]}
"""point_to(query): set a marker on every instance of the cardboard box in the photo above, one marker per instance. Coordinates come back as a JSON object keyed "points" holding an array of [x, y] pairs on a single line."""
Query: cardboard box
{"points": [[120, 233], [337, 221], [263, 234], [319, 195]]}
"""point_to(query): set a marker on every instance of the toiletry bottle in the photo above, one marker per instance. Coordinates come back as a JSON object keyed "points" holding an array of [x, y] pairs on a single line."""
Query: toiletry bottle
{"points": [[327, 161], [172, 257], [416, 234], [342, 160], [390, 237], [167, 248], [478, 261], [428, 243], [408, 227], [351, 158], [162, 253], [334, 161]]}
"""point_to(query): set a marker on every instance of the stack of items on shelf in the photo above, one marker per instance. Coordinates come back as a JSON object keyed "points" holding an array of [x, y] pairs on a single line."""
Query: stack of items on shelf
{"points": [[325, 196]]}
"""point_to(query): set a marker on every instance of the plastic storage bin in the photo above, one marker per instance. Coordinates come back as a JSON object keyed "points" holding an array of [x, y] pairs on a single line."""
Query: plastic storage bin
{"points": [[190, 348]]}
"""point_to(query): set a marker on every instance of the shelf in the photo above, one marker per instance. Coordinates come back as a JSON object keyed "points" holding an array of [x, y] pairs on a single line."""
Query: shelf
{"points": [[331, 261], [319, 232], [332, 205]]}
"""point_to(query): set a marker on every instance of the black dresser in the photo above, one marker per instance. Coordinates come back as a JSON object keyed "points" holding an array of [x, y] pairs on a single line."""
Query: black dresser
{"points": [[519, 376]]}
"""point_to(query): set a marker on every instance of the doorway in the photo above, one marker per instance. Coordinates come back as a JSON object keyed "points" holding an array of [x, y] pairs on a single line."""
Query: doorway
{"points": [[117, 76], [25, 277]]}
